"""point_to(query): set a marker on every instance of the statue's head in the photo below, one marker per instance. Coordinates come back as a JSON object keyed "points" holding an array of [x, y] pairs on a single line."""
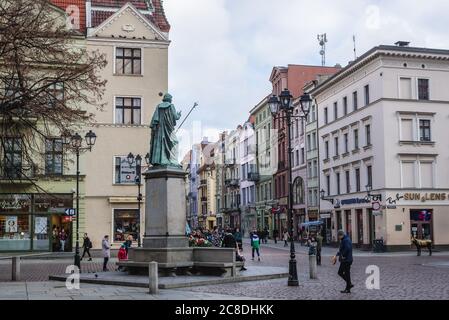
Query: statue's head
{"points": [[167, 98]]}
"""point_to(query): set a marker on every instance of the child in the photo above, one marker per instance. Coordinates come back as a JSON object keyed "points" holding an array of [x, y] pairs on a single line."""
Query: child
{"points": [[122, 256], [255, 244]]}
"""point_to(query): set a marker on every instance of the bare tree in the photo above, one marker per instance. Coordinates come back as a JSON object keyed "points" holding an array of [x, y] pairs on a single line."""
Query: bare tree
{"points": [[49, 83]]}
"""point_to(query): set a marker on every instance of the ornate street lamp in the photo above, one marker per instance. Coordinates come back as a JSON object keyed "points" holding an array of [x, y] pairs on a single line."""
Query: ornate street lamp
{"points": [[138, 160], [276, 104], [75, 143]]}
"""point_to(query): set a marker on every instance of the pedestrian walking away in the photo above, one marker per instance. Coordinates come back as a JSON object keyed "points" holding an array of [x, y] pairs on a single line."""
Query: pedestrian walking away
{"points": [[319, 244], [344, 255], [87, 245], [239, 238], [106, 248], [285, 238], [275, 236], [255, 244]]}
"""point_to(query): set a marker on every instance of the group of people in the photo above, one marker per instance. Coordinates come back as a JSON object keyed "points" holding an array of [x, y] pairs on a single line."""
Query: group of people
{"points": [[60, 237]]}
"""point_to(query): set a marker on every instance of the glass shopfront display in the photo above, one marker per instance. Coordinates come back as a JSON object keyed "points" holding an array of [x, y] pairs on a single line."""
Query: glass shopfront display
{"points": [[25, 221], [126, 222]]}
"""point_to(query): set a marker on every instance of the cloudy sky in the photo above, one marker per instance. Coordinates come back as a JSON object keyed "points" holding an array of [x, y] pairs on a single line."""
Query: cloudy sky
{"points": [[222, 51]]}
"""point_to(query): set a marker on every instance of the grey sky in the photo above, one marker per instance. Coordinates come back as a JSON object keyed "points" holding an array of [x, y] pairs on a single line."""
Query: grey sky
{"points": [[222, 51]]}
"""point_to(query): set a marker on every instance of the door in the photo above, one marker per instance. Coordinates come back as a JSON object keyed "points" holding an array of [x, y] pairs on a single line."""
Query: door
{"points": [[421, 224], [348, 219], [371, 227], [359, 214]]}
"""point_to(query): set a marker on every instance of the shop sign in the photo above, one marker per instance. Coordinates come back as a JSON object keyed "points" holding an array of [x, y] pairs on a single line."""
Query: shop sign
{"points": [[325, 215], [377, 213], [127, 171], [70, 212], [423, 197], [354, 201], [14, 204]]}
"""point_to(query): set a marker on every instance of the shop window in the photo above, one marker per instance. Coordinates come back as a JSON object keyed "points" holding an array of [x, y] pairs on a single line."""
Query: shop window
{"points": [[126, 222], [15, 232]]}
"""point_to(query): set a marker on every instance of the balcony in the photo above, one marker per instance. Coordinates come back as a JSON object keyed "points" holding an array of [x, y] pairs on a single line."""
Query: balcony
{"points": [[253, 176], [232, 182]]}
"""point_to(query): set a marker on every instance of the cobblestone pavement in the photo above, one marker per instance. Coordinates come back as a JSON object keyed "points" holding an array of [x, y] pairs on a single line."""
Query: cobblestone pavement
{"points": [[39, 270], [51, 290], [402, 276]]}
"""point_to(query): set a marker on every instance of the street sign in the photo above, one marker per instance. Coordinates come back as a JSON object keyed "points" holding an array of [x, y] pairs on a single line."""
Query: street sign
{"points": [[70, 212]]}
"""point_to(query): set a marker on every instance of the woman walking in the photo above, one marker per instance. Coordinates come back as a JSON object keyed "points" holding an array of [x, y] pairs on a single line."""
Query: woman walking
{"points": [[285, 238], [106, 247]]}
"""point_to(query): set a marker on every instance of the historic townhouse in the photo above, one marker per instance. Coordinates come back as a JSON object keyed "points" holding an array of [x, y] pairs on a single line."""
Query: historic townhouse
{"points": [[293, 78], [383, 146], [248, 177], [264, 164]]}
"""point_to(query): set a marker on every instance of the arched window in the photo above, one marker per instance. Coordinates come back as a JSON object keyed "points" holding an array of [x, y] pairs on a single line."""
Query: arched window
{"points": [[298, 191]]}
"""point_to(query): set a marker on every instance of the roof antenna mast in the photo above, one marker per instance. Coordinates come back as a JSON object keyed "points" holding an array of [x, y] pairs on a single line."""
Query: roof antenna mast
{"points": [[322, 39], [355, 48]]}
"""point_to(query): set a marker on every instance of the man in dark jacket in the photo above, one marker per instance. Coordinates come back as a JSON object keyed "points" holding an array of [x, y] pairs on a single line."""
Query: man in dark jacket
{"points": [[345, 257], [230, 242]]}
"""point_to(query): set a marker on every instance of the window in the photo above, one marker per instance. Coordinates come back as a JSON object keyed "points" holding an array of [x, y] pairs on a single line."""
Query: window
{"points": [[408, 174], [368, 134], [357, 179], [53, 157], [369, 174], [326, 149], [366, 89], [348, 182], [424, 130], [12, 157], [335, 110], [328, 185], [356, 139], [313, 140], [297, 158], [313, 114], [126, 222], [426, 169], [345, 106], [128, 61], [326, 119], [315, 168], [354, 100], [337, 176], [124, 172], [423, 89], [127, 110], [407, 130], [310, 171], [405, 88], [336, 146], [55, 93], [345, 137], [298, 190], [309, 143], [303, 158]]}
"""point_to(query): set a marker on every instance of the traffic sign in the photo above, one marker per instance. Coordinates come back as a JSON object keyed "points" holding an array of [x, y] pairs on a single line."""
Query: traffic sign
{"points": [[70, 212]]}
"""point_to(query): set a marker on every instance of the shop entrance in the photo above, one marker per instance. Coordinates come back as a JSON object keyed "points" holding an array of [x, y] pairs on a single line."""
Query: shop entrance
{"points": [[421, 224], [359, 215], [61, 241]]}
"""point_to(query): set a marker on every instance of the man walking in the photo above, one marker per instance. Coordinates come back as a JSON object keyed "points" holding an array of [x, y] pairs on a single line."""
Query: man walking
{"points": [[345, 257], [87, 245], [319, 244], [106, 252]]}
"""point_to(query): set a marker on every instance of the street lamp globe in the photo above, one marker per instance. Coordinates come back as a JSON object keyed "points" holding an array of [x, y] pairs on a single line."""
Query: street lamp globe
{"points": [[322, 193], [306, 103], [286, 99], [91, 138], [76, 141], [66, 137], [369, 188], [138, 160], [273, 104], [130, 158]]}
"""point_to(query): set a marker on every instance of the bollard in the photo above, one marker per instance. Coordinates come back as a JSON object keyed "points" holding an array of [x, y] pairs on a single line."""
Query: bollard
{"points": [[312, 266], [153, 278], [16, 269]]}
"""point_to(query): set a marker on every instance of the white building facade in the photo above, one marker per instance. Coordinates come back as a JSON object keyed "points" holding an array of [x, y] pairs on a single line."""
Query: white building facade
{"points": [[383, 147]]}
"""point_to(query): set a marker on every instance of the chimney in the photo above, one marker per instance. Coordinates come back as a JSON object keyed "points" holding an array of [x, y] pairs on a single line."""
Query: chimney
{"points": [[402, 43]]}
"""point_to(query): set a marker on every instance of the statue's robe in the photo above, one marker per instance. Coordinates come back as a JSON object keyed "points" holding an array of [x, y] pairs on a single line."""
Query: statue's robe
{"points": [[163, 140]]}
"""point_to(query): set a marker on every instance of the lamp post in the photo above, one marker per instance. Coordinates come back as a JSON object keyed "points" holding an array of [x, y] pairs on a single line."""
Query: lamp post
{"points": [[75, 143], [284, 103], [138, 160]]}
